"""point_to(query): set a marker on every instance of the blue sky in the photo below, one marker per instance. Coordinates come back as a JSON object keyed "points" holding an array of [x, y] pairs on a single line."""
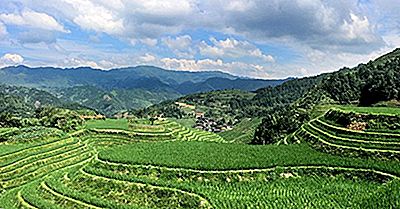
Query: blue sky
{"points": [[253, 38]]}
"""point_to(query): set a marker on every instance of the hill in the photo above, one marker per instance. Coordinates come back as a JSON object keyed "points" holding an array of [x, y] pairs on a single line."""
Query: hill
{"points": [[287, 106], [161, 164], [118, 90], [145, 77], [112, 101], [24, 101], [364, 85]]}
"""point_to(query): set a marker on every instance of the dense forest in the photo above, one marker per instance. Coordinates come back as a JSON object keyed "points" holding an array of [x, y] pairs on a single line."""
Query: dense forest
{"points": [[364, 85]]}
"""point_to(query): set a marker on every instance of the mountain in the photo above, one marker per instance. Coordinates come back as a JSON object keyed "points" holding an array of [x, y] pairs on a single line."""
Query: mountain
{"points": [[364, 85], [23, 101], [109, 102], [287, 106], [213, 84], [122, 89], [125, 78]]}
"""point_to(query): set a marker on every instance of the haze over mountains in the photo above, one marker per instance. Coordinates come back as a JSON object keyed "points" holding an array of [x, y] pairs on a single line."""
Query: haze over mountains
{"points": [[122, 89]]}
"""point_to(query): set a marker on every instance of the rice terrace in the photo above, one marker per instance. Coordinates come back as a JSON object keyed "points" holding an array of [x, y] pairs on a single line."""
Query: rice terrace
{"points": [[133, 164], [228, 104]]}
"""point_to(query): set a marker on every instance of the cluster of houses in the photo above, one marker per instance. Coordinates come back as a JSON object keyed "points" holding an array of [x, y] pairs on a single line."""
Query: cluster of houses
{"points": [[209, 124]]}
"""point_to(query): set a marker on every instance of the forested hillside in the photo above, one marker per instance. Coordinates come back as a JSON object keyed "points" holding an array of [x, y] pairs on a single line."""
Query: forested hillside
{"points": [[109, 102], [287, 106], [23, 101], [118, 90], [364, 85]]}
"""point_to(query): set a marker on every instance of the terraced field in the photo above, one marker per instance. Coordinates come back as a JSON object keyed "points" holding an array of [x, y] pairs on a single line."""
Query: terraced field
{"points": [[325, 135], [166, 165]]}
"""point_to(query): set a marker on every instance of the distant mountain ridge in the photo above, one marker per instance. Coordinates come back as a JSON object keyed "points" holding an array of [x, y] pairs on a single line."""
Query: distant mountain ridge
{"points": [[126, 78], [121, 89], [286, 107]]}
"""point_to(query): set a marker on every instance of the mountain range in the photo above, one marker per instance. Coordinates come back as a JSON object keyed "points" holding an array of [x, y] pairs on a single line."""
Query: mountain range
{"points": [[122, 89], [284, 108]]}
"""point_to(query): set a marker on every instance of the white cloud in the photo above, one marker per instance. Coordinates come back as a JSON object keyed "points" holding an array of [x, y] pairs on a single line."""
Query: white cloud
{"points": [[239, 5], [236, 68], [161, 8], [181, 46], [34, 20], [78, 62], [325, 25], [358, 29], [341, 25], [149, 41], [147, 58], [318, 35], [11, 59], [91, 16], [232, 48], [180, 43]]}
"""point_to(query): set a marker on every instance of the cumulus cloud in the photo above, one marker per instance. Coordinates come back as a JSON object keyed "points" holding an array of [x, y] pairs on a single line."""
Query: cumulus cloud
{"points": [[149, 41], [81, 62], [316, 35], [78, 62], [91, 16], [232, 48], [147, 58], [319, 24], [34, 20], [236, 68], [11, 59], [339, 25], [180, 43], [181, 46]]}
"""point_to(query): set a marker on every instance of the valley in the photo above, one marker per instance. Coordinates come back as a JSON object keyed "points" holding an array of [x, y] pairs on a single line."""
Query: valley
{"points": [[199, 104], [137, 163], [328, 141]]}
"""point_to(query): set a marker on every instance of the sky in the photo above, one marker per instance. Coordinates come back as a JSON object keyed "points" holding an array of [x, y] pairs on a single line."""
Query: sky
{"points": [[250, 38]]}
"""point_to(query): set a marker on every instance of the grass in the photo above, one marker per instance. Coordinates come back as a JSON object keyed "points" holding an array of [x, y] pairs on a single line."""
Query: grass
{"points": [[321, 109], [264, 190], [327, 136], [186, 122], [214, 156], [9, 148], [242, 132], [118, 124], [300, 192], [372, 110], [186, 170]]}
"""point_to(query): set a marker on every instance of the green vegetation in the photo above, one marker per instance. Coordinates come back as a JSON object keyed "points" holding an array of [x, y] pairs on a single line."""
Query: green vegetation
{"points": [[371, 110], [284, 108], [138, 163], [233, 156], [187, 122], [329, 133], [216, 104], [111, 102], [110, 92], [121, 124], [323, 151], [304, 192], [242, 132]]}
